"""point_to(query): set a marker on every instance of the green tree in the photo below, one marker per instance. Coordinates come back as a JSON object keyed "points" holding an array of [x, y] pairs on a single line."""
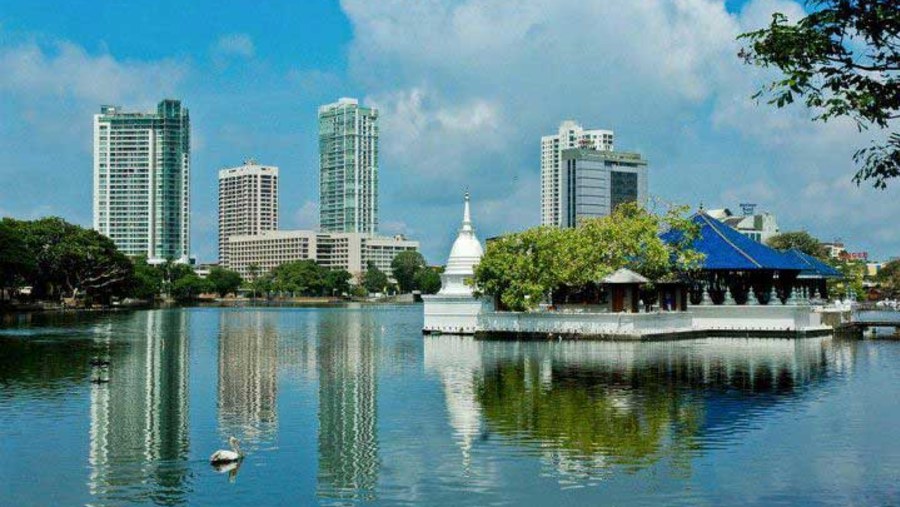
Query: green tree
{"points": [[188, 287], [71, 261], [223, 281], [801, 240], [428, 280], [16, 261], [147, 282], [851, 284], [255, 282], [358, 291], [889, 277], [405, 266], [525, 268], [374, 279], [842, 59], [337, 282], [305, 278]]}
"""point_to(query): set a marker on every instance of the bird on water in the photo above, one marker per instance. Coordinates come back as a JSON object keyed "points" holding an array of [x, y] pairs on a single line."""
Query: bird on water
{"points": [[223, 456]]}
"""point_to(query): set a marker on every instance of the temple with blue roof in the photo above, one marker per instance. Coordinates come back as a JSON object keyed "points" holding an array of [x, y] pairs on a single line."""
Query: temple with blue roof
{"points": [[738, 270]]}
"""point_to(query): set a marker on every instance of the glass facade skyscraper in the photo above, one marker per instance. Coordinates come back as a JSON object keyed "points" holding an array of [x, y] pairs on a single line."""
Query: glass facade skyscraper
{"points": [[348, 167], [595, 182], [142, 166]]}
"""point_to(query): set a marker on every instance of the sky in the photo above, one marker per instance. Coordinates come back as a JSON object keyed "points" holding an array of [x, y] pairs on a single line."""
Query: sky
{"points": [[466, 88]]}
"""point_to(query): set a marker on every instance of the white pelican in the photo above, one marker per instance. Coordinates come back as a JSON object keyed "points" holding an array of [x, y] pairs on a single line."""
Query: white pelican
{"points": [[223, 456]]}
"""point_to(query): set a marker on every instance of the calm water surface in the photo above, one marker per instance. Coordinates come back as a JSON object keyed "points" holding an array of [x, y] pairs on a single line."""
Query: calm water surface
{"points": [[353, 405]]}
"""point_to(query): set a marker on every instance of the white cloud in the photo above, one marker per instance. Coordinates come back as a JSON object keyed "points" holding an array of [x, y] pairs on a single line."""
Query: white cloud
{"points": [[65, 70], [238, 45], [468, 87]]}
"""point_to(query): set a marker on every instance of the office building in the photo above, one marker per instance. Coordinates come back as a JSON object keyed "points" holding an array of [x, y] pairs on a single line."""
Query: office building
{"points": [[248, 203], [353, 252], [268, 250], [142, 166], [570, 135], [348, 167], [348, 251], [594, 182]]}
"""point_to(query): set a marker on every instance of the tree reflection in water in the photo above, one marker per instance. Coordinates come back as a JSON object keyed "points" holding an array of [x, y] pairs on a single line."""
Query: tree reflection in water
{"points": [[590, 408]]}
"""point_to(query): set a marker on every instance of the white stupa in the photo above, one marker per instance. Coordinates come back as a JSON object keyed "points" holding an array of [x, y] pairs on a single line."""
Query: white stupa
{"points": [[454, 310], [464, 255]]}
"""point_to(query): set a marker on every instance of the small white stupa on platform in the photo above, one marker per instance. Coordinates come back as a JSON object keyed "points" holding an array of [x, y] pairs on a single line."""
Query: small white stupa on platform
{"points": [[454, 310]]}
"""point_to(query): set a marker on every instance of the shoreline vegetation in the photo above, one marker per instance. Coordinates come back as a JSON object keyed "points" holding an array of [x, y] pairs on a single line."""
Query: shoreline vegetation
{"points": [[52, 265]]}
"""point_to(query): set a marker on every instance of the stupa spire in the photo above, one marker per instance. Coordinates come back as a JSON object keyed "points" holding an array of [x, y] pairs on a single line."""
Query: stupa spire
{"points": [[467, 217]]}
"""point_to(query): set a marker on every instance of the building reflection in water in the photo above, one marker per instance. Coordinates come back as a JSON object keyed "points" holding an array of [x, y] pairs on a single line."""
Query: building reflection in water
{"points": [[139, 420], [248, 375], [348, 411], [590, 408]]}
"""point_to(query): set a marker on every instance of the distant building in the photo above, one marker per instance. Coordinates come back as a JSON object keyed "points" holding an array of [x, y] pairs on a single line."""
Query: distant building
{"points": [[872, 268], [756, 226], [348, 167], [594, 182], [248, 203], [142, 170], [570, 135], [353, 252], [834, 249], [268, 250], [348, 251], [837, 250]]}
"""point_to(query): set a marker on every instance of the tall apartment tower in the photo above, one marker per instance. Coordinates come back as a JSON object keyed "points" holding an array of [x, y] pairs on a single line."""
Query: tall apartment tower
{"points": [[248, 203], [348, 167], [142, 180], [570, 135]]}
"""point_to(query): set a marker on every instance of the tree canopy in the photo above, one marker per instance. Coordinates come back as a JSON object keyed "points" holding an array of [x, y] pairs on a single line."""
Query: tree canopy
{"points": [[801, 240], [59, 259], [223, 281], [307, 278], [842, 60], [15, 262], [374, 279], [413, 273], [889, 277], [405, 266], [428, 280], [522, 269]]}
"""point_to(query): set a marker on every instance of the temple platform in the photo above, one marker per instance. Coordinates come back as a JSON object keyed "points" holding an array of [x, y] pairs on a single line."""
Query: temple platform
{"points": [[787, 321]]}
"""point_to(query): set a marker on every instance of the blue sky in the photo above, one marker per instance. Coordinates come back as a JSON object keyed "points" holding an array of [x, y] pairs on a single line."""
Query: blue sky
{"points": [[466, 89]]}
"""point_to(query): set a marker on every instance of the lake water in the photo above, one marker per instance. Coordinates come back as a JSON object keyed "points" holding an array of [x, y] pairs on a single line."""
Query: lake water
{"points": [[353, 405]]}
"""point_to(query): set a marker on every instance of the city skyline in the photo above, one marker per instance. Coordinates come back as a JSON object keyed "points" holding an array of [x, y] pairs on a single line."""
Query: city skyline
{"points": [[448, 122]]}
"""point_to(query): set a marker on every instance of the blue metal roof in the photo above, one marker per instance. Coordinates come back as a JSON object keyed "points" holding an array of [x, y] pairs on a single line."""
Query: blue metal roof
{"points": [[728, 249], [814, 268]]}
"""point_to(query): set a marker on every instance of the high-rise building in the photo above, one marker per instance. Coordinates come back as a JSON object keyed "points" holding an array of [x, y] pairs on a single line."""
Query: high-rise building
{"points": [[142, 169], [595, 182], [248, 203], [570, 135], [348, 167]]}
